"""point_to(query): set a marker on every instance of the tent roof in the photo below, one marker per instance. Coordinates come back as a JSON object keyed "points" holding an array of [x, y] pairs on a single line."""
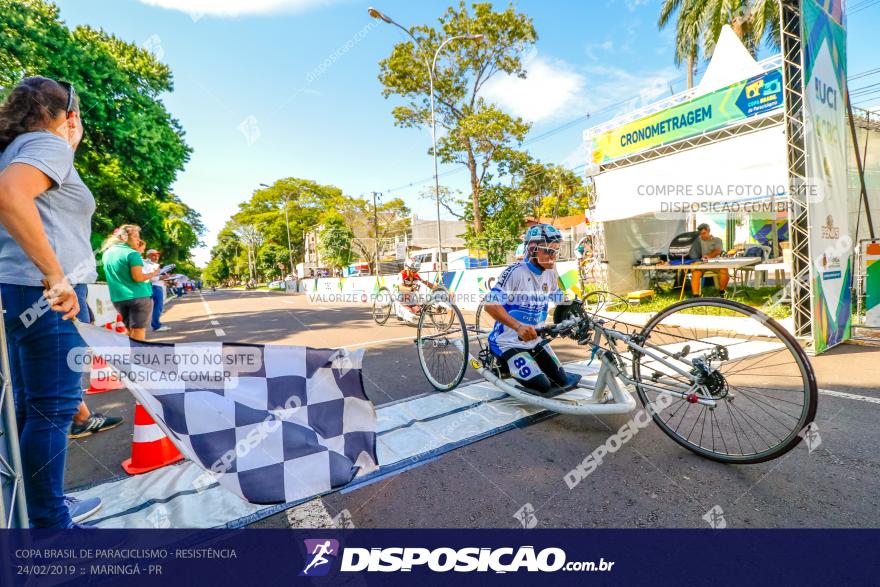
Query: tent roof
{"points": [[731, 62], [560, 222]]}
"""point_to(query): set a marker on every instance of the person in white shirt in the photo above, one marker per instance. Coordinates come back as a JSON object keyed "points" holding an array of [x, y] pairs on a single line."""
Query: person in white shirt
{"points": [[151, 263]]}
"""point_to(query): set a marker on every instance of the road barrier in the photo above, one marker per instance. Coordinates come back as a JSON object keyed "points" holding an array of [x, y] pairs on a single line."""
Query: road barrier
{"points": [[468, 286]]}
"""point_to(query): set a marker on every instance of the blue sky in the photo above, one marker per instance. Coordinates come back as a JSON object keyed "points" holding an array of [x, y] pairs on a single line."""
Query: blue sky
{"points": [[257, 104]]}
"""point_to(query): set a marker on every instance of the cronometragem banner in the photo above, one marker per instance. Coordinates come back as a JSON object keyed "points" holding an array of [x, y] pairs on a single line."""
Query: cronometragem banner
{"points": [[823, 34], [752, 97]]}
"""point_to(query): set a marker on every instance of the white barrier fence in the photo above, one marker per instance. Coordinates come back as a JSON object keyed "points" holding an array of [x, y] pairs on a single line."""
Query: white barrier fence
{"points": [[469, 286], [101, 305]]}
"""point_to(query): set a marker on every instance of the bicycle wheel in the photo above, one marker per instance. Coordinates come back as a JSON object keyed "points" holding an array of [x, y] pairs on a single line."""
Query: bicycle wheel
{"points": [[759, 378], [382, 306], [441, 316], [443, 348]]}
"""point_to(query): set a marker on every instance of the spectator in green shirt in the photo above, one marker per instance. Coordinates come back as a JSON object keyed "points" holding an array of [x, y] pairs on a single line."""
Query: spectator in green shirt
{"points": [[130, 289]]}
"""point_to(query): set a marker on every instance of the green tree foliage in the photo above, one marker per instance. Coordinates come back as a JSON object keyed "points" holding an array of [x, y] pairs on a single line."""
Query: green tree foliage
{"points": [[478, 134], [335, 242], [273, 261], [535, 190], [255, 238], [699, 23], [391, 220], [132, 149]]}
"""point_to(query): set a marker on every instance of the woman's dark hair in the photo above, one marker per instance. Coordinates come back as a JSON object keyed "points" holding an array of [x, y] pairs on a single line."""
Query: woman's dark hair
{"points": [[30, 106]]}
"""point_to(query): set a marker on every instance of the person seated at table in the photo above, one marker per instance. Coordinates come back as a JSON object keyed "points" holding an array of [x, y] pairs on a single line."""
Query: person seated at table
{"points": [[711, 247]]}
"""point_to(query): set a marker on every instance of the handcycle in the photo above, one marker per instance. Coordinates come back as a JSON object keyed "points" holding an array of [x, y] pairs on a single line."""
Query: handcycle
{"points": [[387, 302], [720, 378]]}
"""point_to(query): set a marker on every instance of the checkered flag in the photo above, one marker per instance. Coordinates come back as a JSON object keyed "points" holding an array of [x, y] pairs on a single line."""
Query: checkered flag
{"points": [[273, 424]]}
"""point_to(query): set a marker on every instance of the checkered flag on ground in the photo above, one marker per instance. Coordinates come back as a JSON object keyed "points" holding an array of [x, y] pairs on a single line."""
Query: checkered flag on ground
{"points": [[272, 424]]}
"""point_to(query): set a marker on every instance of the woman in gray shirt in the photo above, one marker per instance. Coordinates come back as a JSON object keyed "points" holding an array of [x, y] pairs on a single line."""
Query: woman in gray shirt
{"points": [[45, 261]]}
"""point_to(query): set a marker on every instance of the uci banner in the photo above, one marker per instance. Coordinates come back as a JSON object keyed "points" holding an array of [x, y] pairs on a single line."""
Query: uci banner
{"points": [[823, 35], [752, 97]]}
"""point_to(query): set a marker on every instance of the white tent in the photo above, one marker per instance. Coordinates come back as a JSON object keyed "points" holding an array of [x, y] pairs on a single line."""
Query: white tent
{"points": [[644, 198], [731, 62], [738, 169]]}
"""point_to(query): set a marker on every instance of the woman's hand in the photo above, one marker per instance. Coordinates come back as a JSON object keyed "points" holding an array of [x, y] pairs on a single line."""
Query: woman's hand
{"points": [[61, 296]]}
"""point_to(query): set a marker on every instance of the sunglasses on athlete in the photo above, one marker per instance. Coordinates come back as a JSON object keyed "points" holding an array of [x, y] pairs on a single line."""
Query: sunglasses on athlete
{"points": [[550, 251]]}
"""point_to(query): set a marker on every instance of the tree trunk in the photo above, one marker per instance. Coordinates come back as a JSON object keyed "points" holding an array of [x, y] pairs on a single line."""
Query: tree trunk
{"points": [[690, 66], [475, 190]]}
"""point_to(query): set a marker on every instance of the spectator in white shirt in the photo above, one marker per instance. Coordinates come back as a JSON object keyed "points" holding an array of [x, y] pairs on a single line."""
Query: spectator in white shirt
{"points": [[151, 263]]}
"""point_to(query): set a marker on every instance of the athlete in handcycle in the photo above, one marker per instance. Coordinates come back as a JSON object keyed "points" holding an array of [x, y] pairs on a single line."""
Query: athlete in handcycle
{"points": [[519, 302], [720, 378]]}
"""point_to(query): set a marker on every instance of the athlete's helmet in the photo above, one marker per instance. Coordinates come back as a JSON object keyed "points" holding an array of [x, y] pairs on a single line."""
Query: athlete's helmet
{"points": [[539, 234], [542, 233], [412, 265]]}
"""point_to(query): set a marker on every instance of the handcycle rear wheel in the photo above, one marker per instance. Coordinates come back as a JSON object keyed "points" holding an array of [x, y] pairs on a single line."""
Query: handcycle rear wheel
{"points": [[760, 378], [442, 345], [382, 306]]}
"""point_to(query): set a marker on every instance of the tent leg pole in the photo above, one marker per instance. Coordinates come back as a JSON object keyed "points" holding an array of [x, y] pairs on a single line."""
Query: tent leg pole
{"points": [[17, 516]]}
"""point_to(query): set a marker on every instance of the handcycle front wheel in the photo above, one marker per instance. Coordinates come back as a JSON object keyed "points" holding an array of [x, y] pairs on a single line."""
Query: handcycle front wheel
{"points": [[382, 306], [759, 378], [441, 315], [442, 344]]}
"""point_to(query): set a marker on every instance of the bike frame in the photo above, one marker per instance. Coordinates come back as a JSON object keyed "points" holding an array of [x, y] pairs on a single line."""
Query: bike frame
{"points": [[610, 378], [402, 310]]}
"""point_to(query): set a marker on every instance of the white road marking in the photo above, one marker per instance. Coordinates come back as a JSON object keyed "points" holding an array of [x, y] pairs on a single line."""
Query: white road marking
{"points": [[214, 322], [368, 343], [861, 398]]}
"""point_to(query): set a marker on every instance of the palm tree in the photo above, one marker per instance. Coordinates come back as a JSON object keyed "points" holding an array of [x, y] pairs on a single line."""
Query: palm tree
{"points": [[752, 20], [687, 34]]}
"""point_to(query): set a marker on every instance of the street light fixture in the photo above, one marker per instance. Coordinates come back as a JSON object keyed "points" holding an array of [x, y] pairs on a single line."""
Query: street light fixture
{"points": [[287, 225], [431, 67]]}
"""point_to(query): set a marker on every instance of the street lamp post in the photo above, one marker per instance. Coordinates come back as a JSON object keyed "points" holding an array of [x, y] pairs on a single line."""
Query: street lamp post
{"points": [[385, 18], [286, 225]]}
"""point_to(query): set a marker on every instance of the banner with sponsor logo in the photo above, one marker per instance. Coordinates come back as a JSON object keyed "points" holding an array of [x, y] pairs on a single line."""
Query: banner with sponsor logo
{"points": [[823, 34], [752, 97], [872, 284]]}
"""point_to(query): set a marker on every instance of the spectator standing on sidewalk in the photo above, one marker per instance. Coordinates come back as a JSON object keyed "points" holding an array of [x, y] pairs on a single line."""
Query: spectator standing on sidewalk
{"points": [[151, 264], [130, 289], [86, 422], [46, 260]]}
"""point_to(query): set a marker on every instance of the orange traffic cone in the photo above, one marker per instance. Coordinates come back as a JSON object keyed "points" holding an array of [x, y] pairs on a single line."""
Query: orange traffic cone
{"points": [[120, 325], [150, 448], [102, 377]]}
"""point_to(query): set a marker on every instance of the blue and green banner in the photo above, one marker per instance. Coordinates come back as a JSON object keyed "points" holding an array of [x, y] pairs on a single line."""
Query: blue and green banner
{"points": [[823, 34], [872, 285], [745, 99]]}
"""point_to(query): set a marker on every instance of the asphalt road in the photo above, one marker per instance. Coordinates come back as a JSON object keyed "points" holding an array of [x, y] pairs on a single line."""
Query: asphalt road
{"points": [[649, 482]]}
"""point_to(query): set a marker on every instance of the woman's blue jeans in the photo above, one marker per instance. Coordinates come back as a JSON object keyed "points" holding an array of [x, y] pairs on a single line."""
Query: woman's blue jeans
{"points": [[47, 394]]}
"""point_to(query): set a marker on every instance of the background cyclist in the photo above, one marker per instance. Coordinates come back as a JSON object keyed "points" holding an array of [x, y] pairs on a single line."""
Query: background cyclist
{"points": [[409, 278]]}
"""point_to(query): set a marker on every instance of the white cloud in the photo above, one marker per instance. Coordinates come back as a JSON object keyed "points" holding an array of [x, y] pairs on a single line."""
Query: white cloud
{"points": [[550, 89], [555, 90], [198, 8], [633, 5]]}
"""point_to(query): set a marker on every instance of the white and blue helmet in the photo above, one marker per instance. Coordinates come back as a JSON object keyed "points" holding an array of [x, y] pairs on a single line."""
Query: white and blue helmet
{"points": [[539, 234], [542, 233]]}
